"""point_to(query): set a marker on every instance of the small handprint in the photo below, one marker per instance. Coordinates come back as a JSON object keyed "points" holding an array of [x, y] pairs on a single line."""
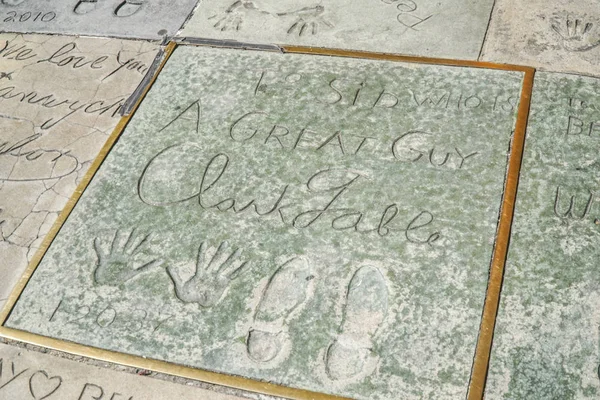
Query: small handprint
{"points": [[210, 279], [308, 20], [230, 21], [234, 15], [116, 266], [576, 35]]}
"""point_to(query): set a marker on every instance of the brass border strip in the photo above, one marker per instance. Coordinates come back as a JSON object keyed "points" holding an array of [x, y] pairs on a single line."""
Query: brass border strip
{"points": [[165, 367], [479, 370], [397, 57], [492, 300]]}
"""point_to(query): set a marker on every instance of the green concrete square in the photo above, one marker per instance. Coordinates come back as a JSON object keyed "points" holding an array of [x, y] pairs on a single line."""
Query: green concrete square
{"points": [[546, 344], [318, 222]]}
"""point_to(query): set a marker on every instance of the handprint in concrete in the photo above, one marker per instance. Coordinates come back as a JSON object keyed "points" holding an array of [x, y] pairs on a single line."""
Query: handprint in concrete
{"points": [[207, 286], [576, 34], [116, 265], [308, 20], [234, 15]]}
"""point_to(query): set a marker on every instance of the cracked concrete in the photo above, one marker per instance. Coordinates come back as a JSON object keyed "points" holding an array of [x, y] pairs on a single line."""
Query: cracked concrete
{"points": [[60, 99]]}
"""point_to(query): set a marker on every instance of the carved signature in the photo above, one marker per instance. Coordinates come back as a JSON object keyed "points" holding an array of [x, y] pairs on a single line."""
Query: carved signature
{"points": [[40, 384], [20, 165], [332, 184]]}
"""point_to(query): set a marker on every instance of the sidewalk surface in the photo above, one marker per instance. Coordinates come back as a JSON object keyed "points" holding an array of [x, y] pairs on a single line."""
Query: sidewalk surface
{"points": [[227, 199]]}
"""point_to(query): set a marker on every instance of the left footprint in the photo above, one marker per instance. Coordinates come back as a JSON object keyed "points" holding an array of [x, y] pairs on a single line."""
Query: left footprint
{"points": [[85, 6], [128, 8], [12, 2], [288, 290]]}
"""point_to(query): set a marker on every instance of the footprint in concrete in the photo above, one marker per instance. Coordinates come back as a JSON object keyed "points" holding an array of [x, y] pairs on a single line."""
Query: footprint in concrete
{"points": [[351, 353], [12, 2], [85, 6], [286, 293], [128, 7]]}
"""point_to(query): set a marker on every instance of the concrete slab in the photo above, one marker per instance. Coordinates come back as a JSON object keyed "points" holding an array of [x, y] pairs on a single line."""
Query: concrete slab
{"points": [[560, 36], [26, 374], [59, 101], [136, 19], [546, 343], [449, 29], [323, 223]]}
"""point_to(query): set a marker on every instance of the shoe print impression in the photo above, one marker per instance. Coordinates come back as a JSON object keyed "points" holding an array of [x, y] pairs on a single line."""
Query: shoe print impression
{"points": [[351, 354], [287, 293]]}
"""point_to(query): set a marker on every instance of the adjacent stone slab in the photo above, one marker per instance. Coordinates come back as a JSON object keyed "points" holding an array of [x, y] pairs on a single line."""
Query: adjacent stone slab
{"points": [[143, 19], [547, 339], [560, 36], [26, 374], [429, 28], [319, 222], [59, 100]]}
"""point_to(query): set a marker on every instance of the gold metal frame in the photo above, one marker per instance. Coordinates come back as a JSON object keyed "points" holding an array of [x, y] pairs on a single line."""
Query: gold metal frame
{"points": [[484, 342]]}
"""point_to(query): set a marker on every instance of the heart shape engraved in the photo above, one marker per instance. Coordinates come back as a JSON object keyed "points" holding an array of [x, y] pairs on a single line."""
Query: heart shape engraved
{"points": [[42, 386]]}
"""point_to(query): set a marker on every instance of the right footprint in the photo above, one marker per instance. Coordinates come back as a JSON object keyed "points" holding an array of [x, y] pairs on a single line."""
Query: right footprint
{"points": [[287, 292], [351, 353]]}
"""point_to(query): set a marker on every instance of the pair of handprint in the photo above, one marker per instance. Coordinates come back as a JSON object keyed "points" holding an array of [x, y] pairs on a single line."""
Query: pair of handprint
{"points": [[206, 287], [307, 19]]}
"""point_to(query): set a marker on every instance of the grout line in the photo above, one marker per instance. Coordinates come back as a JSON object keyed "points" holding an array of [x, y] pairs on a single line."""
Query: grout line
{"points": [[155, 40], [139, 91], [195, 10], [234, 44], [492, 300], [402, 58], [487, 30]]}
